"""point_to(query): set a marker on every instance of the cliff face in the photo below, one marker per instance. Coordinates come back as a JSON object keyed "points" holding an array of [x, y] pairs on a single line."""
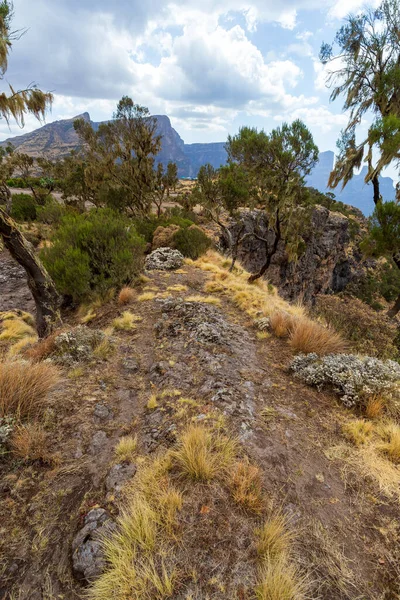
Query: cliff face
{"points": [[330, 262]]}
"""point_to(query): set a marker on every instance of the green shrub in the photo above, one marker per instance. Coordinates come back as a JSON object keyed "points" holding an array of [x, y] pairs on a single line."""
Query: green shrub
{"points": [[191, 242], [381, 282], [51, 213], [93, 252], [147, 226], [23, 207], [182, 213]]}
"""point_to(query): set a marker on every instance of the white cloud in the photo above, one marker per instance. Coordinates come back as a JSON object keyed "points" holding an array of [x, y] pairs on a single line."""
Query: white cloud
{"points": [[342, 8]]}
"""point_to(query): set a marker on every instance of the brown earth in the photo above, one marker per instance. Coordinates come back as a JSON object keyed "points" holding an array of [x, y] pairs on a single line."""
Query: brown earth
{"points": [[347, 529]]}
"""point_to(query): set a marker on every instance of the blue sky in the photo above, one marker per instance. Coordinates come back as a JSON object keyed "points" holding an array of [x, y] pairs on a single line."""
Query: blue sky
{"points": [[210, 65]]}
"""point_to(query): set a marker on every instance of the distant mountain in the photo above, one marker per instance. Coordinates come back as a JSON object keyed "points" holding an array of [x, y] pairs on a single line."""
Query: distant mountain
{"points": [[57, 139], [356, 193]]}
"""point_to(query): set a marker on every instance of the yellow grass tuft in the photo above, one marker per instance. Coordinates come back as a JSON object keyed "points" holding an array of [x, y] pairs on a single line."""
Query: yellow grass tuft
{"points": [[152, 402], [246, 486], [16, 329], [21, 345], [202, 456], [390, 433], [204, 299], [24, 387], [29, 442], [89, 316], [146, 296], [177, 288], [308, 336], [263, 335], [274, 538], [280, 580], [126, 295], [358, 431], [126, 322], [281, 323], [104, 349], [126, 448]]}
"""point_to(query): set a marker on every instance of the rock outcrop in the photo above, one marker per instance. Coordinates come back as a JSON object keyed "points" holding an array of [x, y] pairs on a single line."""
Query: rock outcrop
{"points": [[331, 259], [164, 259]]}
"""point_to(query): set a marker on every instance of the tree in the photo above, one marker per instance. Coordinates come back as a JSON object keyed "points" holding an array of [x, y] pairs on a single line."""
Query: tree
{"points": [[27, 167], [70, 173], [369, 78], [276, 165], [120, 155], [16, 105], [163, 181], [384, 236]]}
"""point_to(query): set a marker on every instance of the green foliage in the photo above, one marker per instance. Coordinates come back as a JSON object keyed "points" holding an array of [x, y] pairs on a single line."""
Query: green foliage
{"points": [[92, 253], [384, 230], [382, 282], [182, 213], [51, 213], [147, 226], [191, 242], [24, 207]]}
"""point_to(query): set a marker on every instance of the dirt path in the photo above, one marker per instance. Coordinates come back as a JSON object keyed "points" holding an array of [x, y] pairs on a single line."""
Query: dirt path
{"points": [[346, 528]]}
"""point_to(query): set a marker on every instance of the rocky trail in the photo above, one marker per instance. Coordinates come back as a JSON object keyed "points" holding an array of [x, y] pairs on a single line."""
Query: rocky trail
{"points": [[212, 367]]}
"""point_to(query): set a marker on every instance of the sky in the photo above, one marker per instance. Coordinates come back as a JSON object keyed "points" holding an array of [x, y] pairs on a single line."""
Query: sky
{"points": [[212, 66]]}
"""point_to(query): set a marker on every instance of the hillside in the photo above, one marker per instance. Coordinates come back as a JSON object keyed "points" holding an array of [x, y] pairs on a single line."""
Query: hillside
{"points": [[118, 424], [59, 138]]}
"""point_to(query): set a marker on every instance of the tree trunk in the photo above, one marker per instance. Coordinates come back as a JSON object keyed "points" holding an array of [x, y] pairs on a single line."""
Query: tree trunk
{"points": [[43, 290], [377, 196], [270, 253]]}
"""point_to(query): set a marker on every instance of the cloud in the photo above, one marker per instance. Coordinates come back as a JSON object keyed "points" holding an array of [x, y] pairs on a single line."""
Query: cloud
{"points": [[342, 8]]}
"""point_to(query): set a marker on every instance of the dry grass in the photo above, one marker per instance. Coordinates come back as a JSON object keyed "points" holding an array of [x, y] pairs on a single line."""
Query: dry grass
{"points": [[16, 329], [29, 442], [204, 299], [138, 554], [375, 407], [146, 296], [126, 322], [281, 324], [126, 448], [390, 434], [43, 348], [152, 402], [280, 580], [104, 349], [259, 299], [24, 387], [21, 346], [126, 296], [202, 456], [358, 431], [308, 336], [177, 288], [274, 538], [246, 486]]}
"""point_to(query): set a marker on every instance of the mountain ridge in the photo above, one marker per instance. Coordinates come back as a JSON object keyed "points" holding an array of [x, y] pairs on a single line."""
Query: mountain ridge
{"points": [[57, 139]]}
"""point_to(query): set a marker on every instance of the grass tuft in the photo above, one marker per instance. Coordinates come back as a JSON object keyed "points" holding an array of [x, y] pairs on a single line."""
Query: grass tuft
{"points": [[126, 296], [246, 486], [177, 288], [202, 456], [274, 538], [375, 407], [280, 580], [126, 322], [308, 336], [16, 329], [390, 433], [204, 299], [24, 387], [358, 431], [126, 448], [29, 442], [146, 296], [152, 402]]}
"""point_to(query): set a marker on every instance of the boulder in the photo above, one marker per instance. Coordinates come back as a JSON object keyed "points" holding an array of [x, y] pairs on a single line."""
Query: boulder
{"points": [[164, 259], [87, 548]]}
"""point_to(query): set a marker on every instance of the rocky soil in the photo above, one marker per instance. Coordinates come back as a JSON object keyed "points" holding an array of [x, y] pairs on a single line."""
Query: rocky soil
{"points": [[14, 292], [51, 513]]}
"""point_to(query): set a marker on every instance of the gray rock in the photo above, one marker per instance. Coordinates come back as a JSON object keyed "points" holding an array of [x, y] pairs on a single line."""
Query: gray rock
{"points": [[164, 259], [117, 476], [129, 365], [102, 412], [76, 345], [87, 548], [98, 441]]}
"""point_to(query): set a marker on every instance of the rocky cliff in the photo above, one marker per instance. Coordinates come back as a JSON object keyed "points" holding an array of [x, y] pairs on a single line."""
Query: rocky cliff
{"points": [[329, 263]]}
